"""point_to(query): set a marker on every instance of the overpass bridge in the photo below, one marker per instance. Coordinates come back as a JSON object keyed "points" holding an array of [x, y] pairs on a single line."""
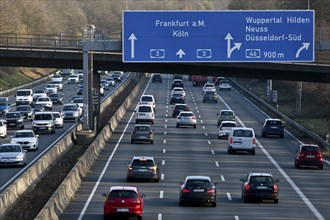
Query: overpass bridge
{"points": [[49, 51]]}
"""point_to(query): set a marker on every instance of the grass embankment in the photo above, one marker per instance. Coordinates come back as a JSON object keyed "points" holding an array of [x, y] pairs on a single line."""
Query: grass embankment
{"points": [[13, 77]]}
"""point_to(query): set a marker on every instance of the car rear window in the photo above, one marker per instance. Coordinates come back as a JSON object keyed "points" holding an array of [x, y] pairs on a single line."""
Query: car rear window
{"points": [[146, 163], [23, 134], [277, 123], [186, 114], [227, 113], [142, 128], [198, 184], [181, 107], [146, 98], [123, 194], [261, 179], [145, 109], [310, 149], [243, 133], [230, 125]]}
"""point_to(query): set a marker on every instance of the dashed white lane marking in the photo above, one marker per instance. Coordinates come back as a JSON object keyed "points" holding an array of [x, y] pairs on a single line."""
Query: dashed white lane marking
{"points": [[164, 141], [236, 217], [166, 110], [162, 176], [165, 132], [217, 163], [163, 162], [164, 151], [159, 216], [229, 196], [203, 127], [209, 142], [165, 120], [202, 121], [166, 106], [195, 103], [206, 134], [197, 111], [161, 194], [212, 152], [199, 116], [222, 178], [165, 126], [166, 115]]}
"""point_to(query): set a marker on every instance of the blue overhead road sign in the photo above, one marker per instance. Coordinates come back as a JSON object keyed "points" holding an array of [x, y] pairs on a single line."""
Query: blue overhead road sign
{"points": [[218, 36]]}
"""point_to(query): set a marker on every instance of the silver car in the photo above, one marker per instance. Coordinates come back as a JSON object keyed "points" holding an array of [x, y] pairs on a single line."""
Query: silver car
{"points": [[186, 118], [12, 154], [225, 127], [142, 133]]}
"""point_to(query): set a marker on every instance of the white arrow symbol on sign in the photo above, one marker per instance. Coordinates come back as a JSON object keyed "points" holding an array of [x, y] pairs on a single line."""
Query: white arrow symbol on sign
{"points": [[304, 46], [180, 53], [132, 38], [230, 50]]}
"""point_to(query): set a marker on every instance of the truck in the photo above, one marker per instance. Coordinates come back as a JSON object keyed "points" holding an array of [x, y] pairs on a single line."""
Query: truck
{"points": [[199, 80]]}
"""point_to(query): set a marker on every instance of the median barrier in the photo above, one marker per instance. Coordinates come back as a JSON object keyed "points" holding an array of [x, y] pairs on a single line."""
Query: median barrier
{"points": [[37, 169], [56, 205]]}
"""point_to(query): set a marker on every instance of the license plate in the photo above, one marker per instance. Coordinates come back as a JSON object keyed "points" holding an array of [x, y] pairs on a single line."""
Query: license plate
{"points": [[142, 170], [122, 210], [261, 187], [273, 127], [310, 156], [198, 190], [12, 124]]}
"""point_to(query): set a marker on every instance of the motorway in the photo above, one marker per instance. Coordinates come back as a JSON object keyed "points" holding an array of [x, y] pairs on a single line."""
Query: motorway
{"points": [[46, 140], [303, 193]]}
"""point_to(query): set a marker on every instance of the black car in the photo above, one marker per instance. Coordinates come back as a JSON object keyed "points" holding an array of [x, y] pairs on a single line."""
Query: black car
{"points": [[178, 108], [56, 98], [198, 190], [210, 96], [80, 90], [261, 186], [177, 83], [14, 119], [177, 76], [25, 110], [272, 127], [36, 107], [143, 168], [177, 98], [117, 76], [157, 78]]}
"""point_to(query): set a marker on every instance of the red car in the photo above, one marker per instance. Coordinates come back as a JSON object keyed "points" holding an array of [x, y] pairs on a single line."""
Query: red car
{"points": [[309, 155], [122, 201]]}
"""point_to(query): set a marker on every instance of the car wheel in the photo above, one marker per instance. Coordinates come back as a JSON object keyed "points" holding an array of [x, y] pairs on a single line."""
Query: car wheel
{"points": [[275, 200], [156, 180], [132, 141], [245, 200], [151, 142], [214, 204], [282, 135], [181, 203], [203, 101], [22, 127], [263, 135], [53, 131], [177, 125], [229, 151], [128, 179], [321, 167], [139, 217], [194, 126], [253, 152], [297, 166]]}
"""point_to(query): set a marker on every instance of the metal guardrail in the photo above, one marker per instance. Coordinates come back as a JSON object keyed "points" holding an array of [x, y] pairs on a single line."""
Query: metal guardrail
{"points": [[311, 135]]}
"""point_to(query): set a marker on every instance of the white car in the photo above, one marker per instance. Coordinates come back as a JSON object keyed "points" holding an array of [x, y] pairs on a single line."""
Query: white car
{"points": [[145, 114], [12, 154], [59, 121], [3, 129], [26, 138], [79, 101], [186, 118], [57, 78], [224, 84], [73, 78], [225, 127], [208, 87], [39, 93], [46, 102], [148, 100], [59, 85], [51, 88], [178, 90], [242, 139], [111, 81]]}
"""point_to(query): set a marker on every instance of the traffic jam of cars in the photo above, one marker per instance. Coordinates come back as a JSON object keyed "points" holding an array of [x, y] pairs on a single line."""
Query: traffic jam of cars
{"points": [[145, 170], [40, 111]]}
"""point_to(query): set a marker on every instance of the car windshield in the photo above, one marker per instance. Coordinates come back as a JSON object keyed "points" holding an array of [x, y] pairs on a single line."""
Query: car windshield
{"points": [[243, 133], [23, 134], [261, 179], [56, 115], [12, 115], [198, 184], [145, 109], [69, 107], [43, 117], [10, 148], [181, 107], [23, 108], [3, 102], [123, 194], [23, 93], [43, 99]]}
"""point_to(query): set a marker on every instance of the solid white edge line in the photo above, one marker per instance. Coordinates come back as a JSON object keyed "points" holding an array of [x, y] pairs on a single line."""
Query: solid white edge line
{"points": [[283, 173], [108, 162]]}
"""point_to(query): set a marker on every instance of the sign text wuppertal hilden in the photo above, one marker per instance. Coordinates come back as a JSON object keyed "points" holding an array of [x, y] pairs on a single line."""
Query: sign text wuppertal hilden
{"points": [[218, 36]]}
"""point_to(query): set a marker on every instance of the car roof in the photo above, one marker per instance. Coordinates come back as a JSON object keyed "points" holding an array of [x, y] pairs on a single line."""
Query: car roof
{"points": [[260, 174], [130, 188], [178, 88], [26, 130], [41, 113], [198, 178], [9, 144], [229, 122], [272, 119], [226, 110], [143, 158], [142, 125], [180, 104], [243, 128]]}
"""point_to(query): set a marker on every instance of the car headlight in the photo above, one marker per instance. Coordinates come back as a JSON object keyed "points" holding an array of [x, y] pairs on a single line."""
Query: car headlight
{"points": [[20, 156], [20, 120], [13, 141], [75, 114]]}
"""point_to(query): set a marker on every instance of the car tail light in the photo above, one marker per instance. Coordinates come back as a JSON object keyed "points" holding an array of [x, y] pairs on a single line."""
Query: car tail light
{"points": [[130, 168], [193, 117], [230, 140], [136, 201], [301, 155], [253, 141], [186, 191], [153, 168], [275, 187], [319, 155], [247, 186], [211, 191]]}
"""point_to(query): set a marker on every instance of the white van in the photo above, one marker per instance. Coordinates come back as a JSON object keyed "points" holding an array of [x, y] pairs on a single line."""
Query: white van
{"points": [[145, 113], [24, 97], [242, 139], [148, 100]]}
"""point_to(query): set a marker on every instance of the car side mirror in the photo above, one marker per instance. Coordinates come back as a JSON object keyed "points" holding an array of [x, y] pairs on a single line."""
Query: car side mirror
{"points": [[215, 183], [242, 180], [143, 195], [104, 194], [277, 180], [24, 151], [180, 183], [217, 113], [37, 135]]}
